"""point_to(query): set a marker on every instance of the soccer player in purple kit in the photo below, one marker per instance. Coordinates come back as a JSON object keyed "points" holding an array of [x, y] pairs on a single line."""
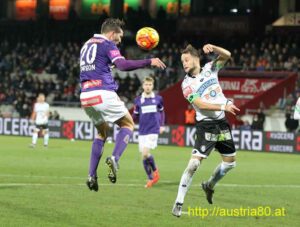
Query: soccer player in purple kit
{"points": [[98, 94], [149, 110]]}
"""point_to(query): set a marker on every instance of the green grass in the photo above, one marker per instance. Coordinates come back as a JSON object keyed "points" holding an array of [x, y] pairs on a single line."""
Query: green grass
{"points": [[46, 187]]}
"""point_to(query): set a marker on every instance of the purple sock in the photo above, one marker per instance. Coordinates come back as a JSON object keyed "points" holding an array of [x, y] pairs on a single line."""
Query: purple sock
{"points": [[147, 168], [121, 142], [96, 154], [152, 163]]}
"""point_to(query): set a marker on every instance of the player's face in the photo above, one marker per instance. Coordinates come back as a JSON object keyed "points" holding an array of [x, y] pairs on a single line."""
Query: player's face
{"points": [[189, 63], [41, 98], [117, 37], [147, 87]]}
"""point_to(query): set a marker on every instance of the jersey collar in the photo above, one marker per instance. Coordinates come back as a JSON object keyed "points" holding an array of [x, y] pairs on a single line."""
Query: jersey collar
{"points": [[191, 76], [148, 96], [100, 36]]}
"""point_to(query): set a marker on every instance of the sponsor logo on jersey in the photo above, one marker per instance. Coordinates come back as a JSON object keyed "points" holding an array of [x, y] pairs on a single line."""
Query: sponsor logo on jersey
{"points": [[91, 83], [212, 94], [206, 85], [114, 53], [187, 91], [207, 73], [149, 109]]}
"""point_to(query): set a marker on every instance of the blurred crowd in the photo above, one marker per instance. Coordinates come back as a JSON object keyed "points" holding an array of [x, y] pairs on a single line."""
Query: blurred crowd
{"points": [[267, 55], [29, 68]]}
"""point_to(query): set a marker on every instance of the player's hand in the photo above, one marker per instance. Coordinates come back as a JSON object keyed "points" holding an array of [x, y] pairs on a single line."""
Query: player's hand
{"points": [[208, 48], [232, 109], [158, 63], [161, 130]]}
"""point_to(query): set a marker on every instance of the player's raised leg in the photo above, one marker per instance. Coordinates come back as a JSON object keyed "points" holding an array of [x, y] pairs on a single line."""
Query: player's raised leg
{"points": [[185, 182], [96, 153], [126, 128], [227, 164]]}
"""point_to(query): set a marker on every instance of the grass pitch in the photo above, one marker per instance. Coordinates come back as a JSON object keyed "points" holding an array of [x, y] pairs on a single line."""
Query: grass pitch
{"points": [[46, 187]]}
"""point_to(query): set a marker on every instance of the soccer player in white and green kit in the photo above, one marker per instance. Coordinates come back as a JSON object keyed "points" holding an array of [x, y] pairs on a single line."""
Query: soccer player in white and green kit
{"points": [[202, 89]]}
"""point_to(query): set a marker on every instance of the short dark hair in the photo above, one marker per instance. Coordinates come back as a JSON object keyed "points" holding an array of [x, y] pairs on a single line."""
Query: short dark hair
{"points": [[112, 25], [189, 49]]}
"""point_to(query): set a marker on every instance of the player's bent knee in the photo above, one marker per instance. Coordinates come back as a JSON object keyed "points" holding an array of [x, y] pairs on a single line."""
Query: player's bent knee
{"points": [[226, 166], [126, 122]]}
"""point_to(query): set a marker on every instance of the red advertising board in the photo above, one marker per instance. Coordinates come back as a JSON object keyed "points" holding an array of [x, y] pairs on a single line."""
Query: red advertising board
{"points": [[253, 86]]}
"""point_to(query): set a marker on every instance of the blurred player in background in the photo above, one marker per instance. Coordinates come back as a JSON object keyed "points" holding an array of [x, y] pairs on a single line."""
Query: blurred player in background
{"points": [[40, 117], [297, 110], [98, 94], [202, 89], [149, 110]]}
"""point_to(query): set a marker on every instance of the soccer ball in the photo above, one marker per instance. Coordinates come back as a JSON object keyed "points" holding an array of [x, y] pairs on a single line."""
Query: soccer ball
{"points": [[147, 38]]}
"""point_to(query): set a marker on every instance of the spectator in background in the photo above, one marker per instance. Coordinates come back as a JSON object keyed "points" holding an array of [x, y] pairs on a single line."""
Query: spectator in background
{"points": [[190, 116], [56, 115], [238, 122], [50, 115], [261, 118], [256, 123], [245, 126]]}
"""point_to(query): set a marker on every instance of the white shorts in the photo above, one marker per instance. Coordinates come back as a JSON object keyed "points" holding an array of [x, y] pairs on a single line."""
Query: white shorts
{"points": [[103, 106], [148, 141]]}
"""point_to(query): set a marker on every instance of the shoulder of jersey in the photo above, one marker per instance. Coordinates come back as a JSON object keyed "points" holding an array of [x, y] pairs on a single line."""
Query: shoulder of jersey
{"points": [[159, 97], [185, 80], [208, 65], [137, 98]]}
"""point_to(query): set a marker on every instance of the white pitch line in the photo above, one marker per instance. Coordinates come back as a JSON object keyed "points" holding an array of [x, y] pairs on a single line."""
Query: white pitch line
{"points": [[68, 185], [141, 185]]}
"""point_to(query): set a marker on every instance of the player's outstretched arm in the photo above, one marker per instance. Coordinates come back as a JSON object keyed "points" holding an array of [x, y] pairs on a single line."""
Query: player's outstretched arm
{"points": [[158, 63], [223, 57], [128, 65], [208, 48], [230, 108]]}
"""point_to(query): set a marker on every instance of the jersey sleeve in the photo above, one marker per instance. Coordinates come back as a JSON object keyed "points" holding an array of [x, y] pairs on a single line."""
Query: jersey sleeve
{"points": [[113, 52], [217, 65], [160, 104], [188, 92], [136, 108]]}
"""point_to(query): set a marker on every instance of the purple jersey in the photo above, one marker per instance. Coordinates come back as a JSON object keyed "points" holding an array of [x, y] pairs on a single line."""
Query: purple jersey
{"points": [[96, 57], [149, 112]]}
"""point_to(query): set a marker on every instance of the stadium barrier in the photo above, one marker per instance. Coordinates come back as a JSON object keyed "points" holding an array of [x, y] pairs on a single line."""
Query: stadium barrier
{"points": [[176, 135]]}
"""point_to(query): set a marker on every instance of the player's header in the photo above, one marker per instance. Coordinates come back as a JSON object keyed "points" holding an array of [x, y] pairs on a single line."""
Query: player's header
{"points": [[189, 49], [112, 25]]}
